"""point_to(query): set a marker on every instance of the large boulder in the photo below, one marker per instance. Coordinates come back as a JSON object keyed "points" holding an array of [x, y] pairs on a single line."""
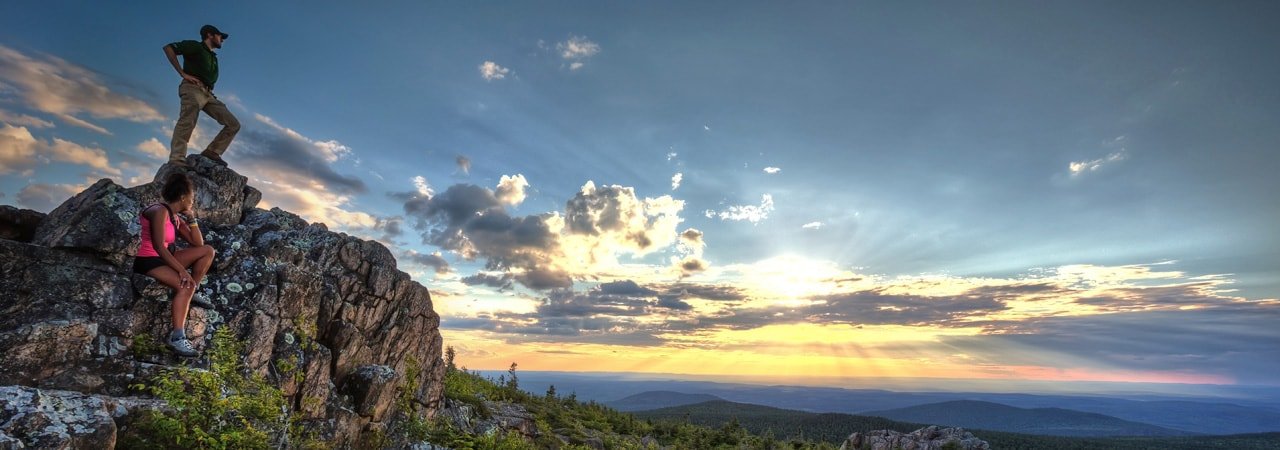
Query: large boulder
{"points": [[331, 308], [19, 224]]}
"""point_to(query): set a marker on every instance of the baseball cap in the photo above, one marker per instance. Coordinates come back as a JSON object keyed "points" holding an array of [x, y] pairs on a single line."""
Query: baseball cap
{"points": [[205, 30]]}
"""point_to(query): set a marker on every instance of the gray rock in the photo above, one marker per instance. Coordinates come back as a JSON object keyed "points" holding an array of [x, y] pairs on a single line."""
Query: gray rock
{"points": [[103, 219], [373, 389], [19, 224], [55, 419], [928, 438]]}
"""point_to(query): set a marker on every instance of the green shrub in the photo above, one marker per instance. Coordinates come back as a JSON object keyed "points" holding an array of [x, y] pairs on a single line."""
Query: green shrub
{"points": [[219, 408]]}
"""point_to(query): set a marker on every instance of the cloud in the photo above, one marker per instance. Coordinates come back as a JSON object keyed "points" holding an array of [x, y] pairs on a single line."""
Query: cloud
{"points": [[54, 86], [675, 180], [510, 189], [433, 260], [17, 149], [24, 120], [154, 148], [812, 225], [750, 213], [1078, 168], [772, 170], [672, 155], [96, 158], [297, 173], [45, 197], [284, 153], [423, 187], [464, 164], [549, 250], [20, 151], [577, 49], [502, 281], [492, 71]]}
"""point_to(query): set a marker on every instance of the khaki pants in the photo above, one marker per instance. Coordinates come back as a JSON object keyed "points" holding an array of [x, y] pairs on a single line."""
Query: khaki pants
{"points": [[196, 99]]}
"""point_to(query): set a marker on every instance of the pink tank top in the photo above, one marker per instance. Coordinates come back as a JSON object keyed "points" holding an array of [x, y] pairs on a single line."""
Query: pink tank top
{"points": [[146, 248]]}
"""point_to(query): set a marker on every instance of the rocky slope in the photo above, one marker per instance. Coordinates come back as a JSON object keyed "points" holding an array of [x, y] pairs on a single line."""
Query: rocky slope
{"points": [[75, 323]]}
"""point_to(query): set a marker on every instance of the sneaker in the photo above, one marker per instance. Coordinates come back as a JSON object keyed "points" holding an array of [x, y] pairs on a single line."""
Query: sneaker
{"points": [[202, 301], [182, 346], [216, 158]]}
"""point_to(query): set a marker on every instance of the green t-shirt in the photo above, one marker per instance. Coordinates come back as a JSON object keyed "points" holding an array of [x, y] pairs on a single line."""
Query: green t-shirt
{"points": [[198, 61]]}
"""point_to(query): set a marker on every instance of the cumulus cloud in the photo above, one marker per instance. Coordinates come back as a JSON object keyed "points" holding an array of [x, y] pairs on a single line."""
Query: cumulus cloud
{"points": [[750, 213], [510, 189], [154, 148], [67, 91], [675, 180], [23, 120], [423, 187], [577, 49], [492, 71], [45, 197], [17, 149], [772, 170], [546, 251], [1078, 168]]}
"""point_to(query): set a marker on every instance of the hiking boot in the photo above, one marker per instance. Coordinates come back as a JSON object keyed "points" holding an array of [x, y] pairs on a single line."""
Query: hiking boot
{"points": [[180, 162], [182, 346], [216, 158], [202, 301]]}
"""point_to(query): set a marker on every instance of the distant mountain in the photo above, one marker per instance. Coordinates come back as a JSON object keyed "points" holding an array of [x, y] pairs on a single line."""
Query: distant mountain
{"points": [[833, 428], [1043, 421], [782, 423], [1258, 412], [659, 399]]}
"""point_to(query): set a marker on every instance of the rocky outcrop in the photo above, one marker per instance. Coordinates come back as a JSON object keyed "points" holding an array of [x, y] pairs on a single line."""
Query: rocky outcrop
{"points": [[19, 224], [318, 310], [928, 438]]}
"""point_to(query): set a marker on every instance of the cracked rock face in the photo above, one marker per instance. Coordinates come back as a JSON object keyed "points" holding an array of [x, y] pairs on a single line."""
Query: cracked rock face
{"points": [[324, 305]]}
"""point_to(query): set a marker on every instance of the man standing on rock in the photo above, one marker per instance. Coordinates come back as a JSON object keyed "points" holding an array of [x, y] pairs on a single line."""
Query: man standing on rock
{"points": [[199, 71]]}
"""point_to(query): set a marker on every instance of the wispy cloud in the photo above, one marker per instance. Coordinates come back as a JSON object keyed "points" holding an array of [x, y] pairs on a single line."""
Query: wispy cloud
{"points": [[577, 50], [492, 71], [812, 225], [464, 164], [297, 173], [23, 120], [750, 213], [772, 170], [54, 86], [1078, 168], [20, 151]]}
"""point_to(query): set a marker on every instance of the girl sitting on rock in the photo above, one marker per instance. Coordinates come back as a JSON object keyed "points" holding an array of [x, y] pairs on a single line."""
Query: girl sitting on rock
{"points": [[160, 222]]}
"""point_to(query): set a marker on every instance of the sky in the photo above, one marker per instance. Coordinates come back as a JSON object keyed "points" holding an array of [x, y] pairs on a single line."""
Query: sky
{"points": [[1070, 191]]}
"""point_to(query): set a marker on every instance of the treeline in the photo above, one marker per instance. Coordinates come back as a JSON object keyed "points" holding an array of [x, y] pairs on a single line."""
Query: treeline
{"points": [[834, 428]]}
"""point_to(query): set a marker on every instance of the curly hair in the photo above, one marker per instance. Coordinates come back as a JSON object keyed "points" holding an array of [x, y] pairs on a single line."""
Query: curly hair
{"points": [[176, 186]]}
